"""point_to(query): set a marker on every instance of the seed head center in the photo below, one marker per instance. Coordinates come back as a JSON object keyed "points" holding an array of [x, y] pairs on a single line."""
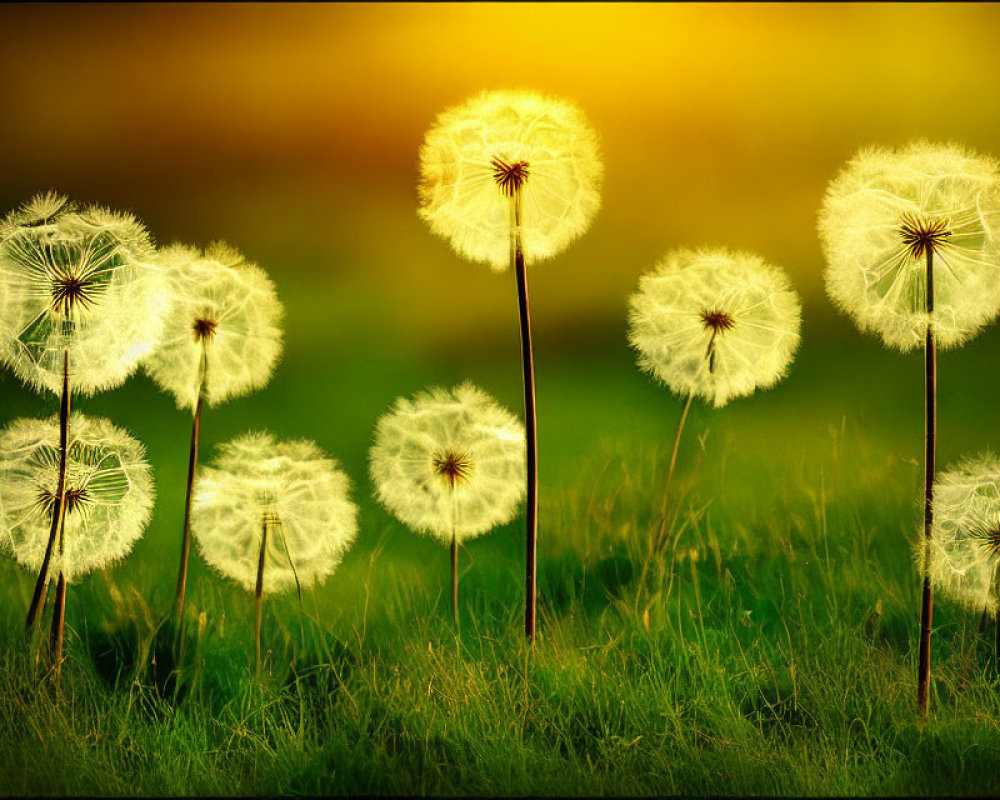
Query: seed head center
{"points": [[716, 321], [74, 499], [454, 467], [204, 329], [923, 235], [68, 291], [988, 537], [509, 177]]}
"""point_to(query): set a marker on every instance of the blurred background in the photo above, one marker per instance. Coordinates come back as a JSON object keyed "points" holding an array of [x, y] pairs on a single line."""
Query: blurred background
{"points": [[291, 131]]}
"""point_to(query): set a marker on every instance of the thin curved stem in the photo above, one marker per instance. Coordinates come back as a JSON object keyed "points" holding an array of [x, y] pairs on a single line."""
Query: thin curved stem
{"points": [[930, 451], [259, 591], [454, 579], [670, 472], [180, 592], [59, 506], [58, 625], [531, 435]]}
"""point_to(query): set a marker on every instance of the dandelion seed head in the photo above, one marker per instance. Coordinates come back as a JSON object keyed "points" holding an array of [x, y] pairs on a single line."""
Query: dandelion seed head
{"points": [[449, 462], [885, 212], [225, 305], [300, 493], [714, 323], [80, 281], [477, 155], [109, 493], [963, 557]]}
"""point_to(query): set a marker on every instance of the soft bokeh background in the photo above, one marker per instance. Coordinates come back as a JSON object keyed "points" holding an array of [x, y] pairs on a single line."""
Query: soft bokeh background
{"points": [[291, 131]]}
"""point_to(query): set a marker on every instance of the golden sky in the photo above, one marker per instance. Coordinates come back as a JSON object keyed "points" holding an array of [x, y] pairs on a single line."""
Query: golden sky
{"points": [[292, 130]]}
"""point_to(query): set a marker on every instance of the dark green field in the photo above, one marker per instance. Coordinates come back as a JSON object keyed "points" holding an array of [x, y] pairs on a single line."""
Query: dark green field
{"points": [[770, 650]]}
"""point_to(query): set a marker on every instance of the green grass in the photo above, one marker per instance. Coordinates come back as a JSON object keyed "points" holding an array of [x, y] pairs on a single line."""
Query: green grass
{"points": [[770, 650]]}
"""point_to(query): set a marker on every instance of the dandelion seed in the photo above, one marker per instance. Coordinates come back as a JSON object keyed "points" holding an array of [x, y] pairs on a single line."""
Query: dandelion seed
{"points": [[81, 304], [883, 215], [511, 177], [272, 515], [714, 324], [223, 309], [962, 559], [499, 144], [912, 250], [108, 498], [449, 464], [79, 282], [222, 340]]}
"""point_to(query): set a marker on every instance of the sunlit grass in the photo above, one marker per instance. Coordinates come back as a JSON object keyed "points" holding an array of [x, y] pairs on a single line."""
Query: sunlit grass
{"points": [[780, 659]]}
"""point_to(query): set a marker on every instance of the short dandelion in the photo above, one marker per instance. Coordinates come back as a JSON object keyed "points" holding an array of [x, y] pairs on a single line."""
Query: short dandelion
{"points": [[82, 303], [913, 254], [962, 560], [509, 178], [449, 464], [107, 499], [222, 339], [715, 324], [272, 515]]}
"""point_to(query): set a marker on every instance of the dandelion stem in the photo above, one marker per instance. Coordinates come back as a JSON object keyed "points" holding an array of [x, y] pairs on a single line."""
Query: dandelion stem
{"points": [[58, 625], [454, 579], [531, 436], [189, 491], [259, 591], [997, 640], [670, 471], [59, 506], [930, 442]]}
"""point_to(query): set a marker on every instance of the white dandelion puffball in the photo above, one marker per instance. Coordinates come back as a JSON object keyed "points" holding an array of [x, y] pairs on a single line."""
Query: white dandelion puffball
{"points": [[882, 215], [108, 490], [222, 305], [714, 323], [80, 281], [293, 488], [449, 463], [477, 155], [964, 551]]}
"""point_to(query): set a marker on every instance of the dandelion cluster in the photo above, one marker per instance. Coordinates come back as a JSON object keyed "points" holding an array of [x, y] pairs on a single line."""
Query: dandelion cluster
{"points": [[290, 486], [108, 493], [882, 216], [963, 555], [714, 324], [223, 334], [76, 282], [478, 155], [449, 463]]}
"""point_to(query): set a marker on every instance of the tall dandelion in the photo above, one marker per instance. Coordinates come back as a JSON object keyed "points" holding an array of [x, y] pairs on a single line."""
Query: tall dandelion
{"points": [[912, 250], [272, 516], [82, 303], [107, 491], [962, 560], [449, 464], [715, 324], [509, 178], [222, 340]]}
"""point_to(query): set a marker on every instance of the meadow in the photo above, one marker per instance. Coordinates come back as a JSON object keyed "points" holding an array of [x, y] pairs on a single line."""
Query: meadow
{"points": [[771, 649]]}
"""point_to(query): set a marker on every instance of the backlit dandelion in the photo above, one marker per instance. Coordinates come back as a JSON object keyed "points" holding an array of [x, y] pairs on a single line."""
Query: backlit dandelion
{"points": [[509, 178], [962, 560], [913, 254], [108, 497], [222, 339], [449, 464], [272, 515], [82, 303], [714, 324]]}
